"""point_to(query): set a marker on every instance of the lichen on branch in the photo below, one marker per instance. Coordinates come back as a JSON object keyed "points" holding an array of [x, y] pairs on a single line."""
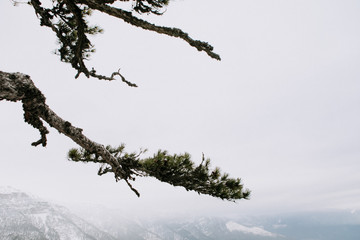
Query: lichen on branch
{"points": [[19, 87], [68, 20]]}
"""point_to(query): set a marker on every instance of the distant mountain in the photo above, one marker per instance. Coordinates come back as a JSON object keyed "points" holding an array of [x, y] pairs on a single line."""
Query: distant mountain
{"points": [[210, 229], [23, 217], [203, 228], [334, 225]]}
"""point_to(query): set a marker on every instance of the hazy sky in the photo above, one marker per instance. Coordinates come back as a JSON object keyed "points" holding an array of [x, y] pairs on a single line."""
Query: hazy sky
{"points": [[281, 110]]}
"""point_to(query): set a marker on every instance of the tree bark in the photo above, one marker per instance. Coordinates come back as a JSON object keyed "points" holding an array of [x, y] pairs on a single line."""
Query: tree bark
{"points": [[177, 170], [19, 87]]}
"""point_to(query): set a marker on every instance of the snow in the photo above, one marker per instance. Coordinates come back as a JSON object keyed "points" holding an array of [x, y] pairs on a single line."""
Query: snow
{"points": [[41, 219], [276, 226], [233, 226], [8, 190], [279, 224], [41, 216]]}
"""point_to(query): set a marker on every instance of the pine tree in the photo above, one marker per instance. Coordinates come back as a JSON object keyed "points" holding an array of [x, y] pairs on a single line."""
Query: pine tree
{"points": [[68, 20]]}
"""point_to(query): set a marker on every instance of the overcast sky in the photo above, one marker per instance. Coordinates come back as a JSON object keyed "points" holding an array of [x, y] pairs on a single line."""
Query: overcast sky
{"points": [[281, 110]]}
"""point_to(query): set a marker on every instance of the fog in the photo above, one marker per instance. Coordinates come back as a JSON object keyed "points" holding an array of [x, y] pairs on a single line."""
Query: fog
{"points": [[280, 110]]}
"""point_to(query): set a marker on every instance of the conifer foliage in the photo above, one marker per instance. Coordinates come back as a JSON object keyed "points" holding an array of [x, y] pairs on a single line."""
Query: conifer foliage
{"points": [[68, 20], [177, 170]]}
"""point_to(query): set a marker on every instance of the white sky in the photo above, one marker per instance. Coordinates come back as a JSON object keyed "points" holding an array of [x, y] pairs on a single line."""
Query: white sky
{"points": [[281, 110]]}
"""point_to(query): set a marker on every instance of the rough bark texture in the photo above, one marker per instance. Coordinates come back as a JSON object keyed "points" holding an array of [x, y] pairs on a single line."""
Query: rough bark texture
{"points": [[177, 170], [19, 87], [174, 32], [67, 19]]}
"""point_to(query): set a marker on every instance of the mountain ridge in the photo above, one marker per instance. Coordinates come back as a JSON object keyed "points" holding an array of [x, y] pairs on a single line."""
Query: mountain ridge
{"points": [[24, 217]]}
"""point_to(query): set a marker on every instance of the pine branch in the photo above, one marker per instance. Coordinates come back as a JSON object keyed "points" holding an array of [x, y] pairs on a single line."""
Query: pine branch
{"points": [[180, 170], [19, 87], [173, 32], [67, 20], [177, 170]]}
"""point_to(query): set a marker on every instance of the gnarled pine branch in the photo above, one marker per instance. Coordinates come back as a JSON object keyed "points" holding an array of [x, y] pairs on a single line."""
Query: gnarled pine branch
{"points": [[67, 19], [177, 170], [173, 32], [19, 87]]}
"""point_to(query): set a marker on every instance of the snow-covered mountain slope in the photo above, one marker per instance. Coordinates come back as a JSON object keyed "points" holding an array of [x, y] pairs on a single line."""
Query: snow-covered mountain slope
{"points": [[204, 228], [233, 226], [344, 225], [25, 217], [207, 228], [8, 190]]}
